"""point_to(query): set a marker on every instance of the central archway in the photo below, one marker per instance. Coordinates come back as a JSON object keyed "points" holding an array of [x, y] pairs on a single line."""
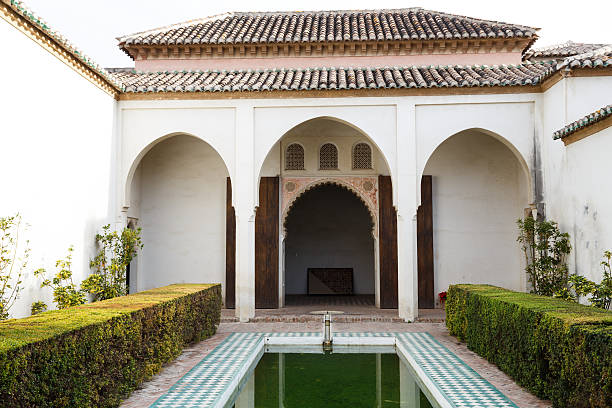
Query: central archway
{"points": [[321, 151], [330, 247]]}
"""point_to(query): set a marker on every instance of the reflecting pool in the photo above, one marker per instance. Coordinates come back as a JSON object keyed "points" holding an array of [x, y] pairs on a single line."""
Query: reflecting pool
{"points": [[333, 380]]}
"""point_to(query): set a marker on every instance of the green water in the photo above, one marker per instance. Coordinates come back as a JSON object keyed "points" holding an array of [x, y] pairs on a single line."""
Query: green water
{"points": [[338, 380]]}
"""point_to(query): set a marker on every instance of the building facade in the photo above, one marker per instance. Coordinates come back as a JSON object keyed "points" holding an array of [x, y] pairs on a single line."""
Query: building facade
{"points": [[271, 151]]}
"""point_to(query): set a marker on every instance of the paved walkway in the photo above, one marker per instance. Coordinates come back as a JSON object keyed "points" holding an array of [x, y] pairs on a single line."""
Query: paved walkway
{"points": [[151, 390]]}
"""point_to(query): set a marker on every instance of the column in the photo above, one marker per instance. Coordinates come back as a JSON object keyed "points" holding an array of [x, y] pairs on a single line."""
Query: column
{"points": [[244, 204], [406, 197]]}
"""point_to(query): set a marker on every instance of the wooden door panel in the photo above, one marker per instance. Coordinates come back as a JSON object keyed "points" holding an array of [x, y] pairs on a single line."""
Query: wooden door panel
{"points": [[425, 254], [387, 244], [230, 249], [266, 244]]}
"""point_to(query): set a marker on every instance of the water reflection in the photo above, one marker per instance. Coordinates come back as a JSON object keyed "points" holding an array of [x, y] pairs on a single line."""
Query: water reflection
{"points": [[292, 380]]}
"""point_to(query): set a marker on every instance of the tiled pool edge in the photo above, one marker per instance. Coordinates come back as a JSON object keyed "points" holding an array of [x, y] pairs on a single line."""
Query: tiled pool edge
{"points": [[215, 379], [460, 384], [237, 353], [441, 399]]}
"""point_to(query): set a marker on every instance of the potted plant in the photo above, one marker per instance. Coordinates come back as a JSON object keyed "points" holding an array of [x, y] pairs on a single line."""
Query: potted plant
{"points": [[442, 298]]}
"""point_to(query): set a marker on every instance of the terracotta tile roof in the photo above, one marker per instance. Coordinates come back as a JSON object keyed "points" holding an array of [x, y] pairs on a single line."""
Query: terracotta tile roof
{"points": [[584, 122], [598, 58], [26, 13], [563, 50], [326, 26], [334, 78]]}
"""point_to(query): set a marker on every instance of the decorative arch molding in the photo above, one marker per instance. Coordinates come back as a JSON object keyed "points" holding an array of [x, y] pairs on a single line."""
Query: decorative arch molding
{"points": [[270, 128], [364, 187]]}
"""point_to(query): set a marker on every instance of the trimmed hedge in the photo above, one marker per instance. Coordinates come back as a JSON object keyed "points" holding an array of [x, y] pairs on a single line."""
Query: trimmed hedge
{"points": [[96, 354], [558, 349]]}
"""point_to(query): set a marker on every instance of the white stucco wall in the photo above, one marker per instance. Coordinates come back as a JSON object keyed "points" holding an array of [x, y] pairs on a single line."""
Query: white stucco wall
{"points": [[479, 191], [56, 139], [576, 175], [587, 173], [181, 187]]}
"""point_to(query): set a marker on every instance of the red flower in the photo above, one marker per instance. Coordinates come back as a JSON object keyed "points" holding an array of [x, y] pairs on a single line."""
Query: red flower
{"points": [[442, 296]]}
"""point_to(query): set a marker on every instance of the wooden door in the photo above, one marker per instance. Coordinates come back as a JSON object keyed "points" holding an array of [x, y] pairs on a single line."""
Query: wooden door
{"points": [[230, 249], [387, 240], [266, 244], [425, 255]]}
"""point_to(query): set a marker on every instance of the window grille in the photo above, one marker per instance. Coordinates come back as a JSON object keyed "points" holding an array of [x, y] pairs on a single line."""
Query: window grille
{"points": [[328, 157], [362, 156], [294, 158]]}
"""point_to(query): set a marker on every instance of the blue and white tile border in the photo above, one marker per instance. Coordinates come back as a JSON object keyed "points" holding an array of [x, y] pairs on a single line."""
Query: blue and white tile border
{"points": [[216, 380]]}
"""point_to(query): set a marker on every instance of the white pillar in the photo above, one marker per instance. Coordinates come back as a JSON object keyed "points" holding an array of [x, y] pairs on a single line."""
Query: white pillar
{"points": [[243, 196], [405, 198]]}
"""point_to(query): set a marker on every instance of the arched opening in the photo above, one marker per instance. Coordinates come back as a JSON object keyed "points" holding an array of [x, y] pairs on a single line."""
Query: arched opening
{"points": [[367, 187], [132, 267], [329, 247], [178, 198], [479, 188]]}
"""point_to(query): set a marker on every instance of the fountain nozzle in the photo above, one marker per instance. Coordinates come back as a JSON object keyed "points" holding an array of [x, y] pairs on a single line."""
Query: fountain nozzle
{"points": [[327, 339]]}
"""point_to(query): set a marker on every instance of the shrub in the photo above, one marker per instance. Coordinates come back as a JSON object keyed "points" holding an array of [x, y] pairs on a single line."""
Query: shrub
{"points": [[558, 349], [13, 261], [38, 307], [110, 265], [545, 249], [598, 294], [96, 354], [65, 292]]}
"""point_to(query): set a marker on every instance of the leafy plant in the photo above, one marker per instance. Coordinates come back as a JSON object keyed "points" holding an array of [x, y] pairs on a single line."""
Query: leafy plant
{"points": [[38, 307], [602, 295], [116, 252], [599, 294], [545, 249], [65, 292], [13, 261]]}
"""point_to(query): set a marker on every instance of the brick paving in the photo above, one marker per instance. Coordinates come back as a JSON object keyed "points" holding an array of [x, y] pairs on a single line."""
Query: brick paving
{"points": [[160, 383]]}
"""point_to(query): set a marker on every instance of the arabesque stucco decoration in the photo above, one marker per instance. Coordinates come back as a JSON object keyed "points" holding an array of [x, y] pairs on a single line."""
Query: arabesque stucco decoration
{"points": [[364, 187]]}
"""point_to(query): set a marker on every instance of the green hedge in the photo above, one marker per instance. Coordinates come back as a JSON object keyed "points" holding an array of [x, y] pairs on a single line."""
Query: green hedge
{"points": [[558, 349], [96, 354]]}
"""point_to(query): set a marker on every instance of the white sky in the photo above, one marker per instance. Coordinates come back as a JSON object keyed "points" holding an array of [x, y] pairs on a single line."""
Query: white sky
{"points": [[93, 26]]}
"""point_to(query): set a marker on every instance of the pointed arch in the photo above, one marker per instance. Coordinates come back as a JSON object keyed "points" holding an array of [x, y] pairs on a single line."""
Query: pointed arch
{"points": [[386, 161], [127, 186], [525, 168], [344, 183]]}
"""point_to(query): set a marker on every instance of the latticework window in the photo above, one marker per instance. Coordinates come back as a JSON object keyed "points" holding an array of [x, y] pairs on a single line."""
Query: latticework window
{"points": [[294, 157], [328, 157], [362, 156]]}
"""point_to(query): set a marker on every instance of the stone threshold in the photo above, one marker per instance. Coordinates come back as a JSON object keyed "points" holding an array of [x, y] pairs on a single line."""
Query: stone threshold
{"points": [[305, 318]]}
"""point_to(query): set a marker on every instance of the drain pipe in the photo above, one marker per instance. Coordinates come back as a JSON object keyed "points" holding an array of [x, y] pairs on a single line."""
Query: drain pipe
{"points": [[327, 335]]}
